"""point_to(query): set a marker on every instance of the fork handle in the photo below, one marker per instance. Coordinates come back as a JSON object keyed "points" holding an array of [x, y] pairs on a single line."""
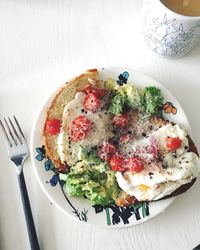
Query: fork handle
{"points": [[34, 244]]}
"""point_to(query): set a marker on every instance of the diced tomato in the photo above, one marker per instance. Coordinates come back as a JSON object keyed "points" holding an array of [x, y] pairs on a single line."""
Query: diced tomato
{"points": [[173, 143], [79, 128], [125, 138], [120, 120], [99, 92], [106, 151], [117, 163], [91, 102], [134, 165], [76, 133], [53, 126], [81, 120]]}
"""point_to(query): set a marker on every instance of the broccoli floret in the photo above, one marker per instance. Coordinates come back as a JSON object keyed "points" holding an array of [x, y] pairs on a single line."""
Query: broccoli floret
{"points": [[131, 95], [151, 100], [117, 103], [125, 95]]}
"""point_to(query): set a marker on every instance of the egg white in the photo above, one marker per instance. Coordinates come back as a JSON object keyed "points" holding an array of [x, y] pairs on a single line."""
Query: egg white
{"points": [[101, 130], [160, 182]]}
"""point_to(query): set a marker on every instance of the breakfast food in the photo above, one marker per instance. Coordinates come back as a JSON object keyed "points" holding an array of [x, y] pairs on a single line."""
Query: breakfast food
{"points": [[111, 143]]}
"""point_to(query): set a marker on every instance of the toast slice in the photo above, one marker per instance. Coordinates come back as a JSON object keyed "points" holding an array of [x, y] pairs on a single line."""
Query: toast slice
{"points": [[55, 111]]}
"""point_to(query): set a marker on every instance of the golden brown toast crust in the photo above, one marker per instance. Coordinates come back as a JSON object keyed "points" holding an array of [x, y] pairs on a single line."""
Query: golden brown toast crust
{"points": [[55, 111]]}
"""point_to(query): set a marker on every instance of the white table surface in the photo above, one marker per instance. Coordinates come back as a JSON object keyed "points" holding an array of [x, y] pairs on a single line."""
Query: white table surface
{"points": [[42, 43]]}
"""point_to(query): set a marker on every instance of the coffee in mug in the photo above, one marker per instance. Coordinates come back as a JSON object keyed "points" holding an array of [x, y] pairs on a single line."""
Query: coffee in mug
{"points": [[184, 7]]}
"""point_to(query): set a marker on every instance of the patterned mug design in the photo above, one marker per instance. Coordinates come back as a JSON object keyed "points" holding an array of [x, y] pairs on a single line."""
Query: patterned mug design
{"points": [[168, 35]]}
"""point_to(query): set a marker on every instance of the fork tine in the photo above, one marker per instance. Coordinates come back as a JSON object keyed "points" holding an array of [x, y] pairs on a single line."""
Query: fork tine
{"points": [[4, 130], [14, 130], [20, 130], [10, 132]]}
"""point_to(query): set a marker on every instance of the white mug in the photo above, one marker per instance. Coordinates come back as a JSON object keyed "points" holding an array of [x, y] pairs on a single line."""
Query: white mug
{"points": [[168, 33]]}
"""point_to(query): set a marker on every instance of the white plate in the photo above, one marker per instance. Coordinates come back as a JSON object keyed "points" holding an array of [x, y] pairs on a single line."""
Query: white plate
{"points": [[78, 208]]}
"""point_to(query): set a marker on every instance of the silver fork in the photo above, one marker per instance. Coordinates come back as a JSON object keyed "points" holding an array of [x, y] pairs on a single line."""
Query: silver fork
{"points": [[18, 152]]}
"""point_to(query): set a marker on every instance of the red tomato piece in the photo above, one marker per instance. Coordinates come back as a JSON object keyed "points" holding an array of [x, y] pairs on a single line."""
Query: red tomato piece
{"points": [[99, 92], [117, 163], [120, 120], [81, 120], [134, 165], [76, 133], [91, 102], [79, 128], [173, 143], [106, 151], [53, 126]]}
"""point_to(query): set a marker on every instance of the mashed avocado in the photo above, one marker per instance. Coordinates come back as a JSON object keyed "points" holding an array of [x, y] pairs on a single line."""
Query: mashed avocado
{"points": [[91, 178]]}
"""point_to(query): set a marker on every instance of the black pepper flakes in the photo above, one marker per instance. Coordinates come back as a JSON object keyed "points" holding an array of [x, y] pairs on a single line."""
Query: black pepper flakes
{"points": [[179, 162], [114, 131], [144, 134], [82, 110], [187, 162], [115, 142], [150, 175], [186, 147], [174, 155]]}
